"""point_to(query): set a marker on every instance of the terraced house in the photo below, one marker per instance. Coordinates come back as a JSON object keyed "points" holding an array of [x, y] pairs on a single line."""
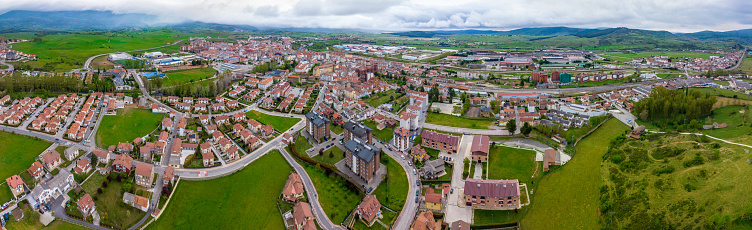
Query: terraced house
{"points": [[492, 194], [440, 141]]}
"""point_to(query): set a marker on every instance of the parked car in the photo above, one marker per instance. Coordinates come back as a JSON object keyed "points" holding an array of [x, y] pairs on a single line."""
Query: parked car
{"points": [[41, 211], [416, 199], [451, 191]]}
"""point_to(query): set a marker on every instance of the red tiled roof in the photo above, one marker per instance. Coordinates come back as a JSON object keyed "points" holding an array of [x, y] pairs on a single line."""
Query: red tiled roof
{"points": [[480, 145], [440, 137]]}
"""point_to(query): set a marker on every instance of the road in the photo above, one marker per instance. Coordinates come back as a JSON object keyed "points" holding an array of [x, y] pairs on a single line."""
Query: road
{"points": [[10, 67], [88, 61], [410, 209], [453, 211]]}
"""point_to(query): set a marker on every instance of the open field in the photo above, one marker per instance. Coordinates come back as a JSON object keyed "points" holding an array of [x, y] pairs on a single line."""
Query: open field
{"points": [[101, 63], [246, 198], [31, 222], [382, 98], [385, 134], [126, 126], [511, 163], [179, 77], [280, 124], [455, 121], [630, 56], [737, 118], [567, 198], [335, 198], [722, 92], [673, 180], [393, 192], [110, 204], [746, 65], [66, 51], [17, 152]]}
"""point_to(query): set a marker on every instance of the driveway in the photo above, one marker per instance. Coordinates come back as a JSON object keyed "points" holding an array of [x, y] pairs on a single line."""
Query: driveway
{"points": [[455, 210]]}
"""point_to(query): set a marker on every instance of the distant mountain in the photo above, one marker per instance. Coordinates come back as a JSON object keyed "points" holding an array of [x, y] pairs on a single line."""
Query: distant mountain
{"points": [[73, 20], [742, 36], [547, 31], [198, 26]]}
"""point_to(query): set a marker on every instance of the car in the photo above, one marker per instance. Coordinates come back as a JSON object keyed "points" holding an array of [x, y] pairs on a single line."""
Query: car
{"points": [[416, 199], [417, 182], [42, 211], [417, 193], [4, 206], [451, 191]]}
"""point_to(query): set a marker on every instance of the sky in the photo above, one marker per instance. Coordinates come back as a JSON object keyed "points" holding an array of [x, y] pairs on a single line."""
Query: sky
{"points": [[402, 15]]}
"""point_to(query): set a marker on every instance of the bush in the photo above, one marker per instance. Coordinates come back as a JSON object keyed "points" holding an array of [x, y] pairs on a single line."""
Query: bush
{"points": [[663, 170], [697, 160], [617, 159]]}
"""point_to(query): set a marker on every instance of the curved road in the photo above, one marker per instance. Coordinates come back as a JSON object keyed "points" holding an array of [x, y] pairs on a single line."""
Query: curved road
{"points": [[88, 61], [10, 67]]}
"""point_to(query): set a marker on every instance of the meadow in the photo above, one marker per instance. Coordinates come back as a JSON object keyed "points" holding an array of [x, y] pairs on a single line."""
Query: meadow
{"points": [[126, 126], [459, 122], [281, 124], [511, 163], [629, 56], [17, 152], [179, 77]]}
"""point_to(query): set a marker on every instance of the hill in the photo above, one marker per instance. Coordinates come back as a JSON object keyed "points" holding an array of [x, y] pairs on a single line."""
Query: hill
{"points": [[24, 20], [547, 31]]}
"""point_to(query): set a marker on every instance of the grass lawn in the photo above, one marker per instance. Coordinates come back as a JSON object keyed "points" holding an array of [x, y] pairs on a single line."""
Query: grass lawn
{"points": [[722, 92], [376, 100], [359, 225], [394, 192], [455, 121], [746, 65], [384, 135], [335, 198], [736, 117], [337, 155], [31, 222], [189, 75], [336, 129], [559, 204], [511, 163], [721, 82], [126, 126], [110, 204], [17, 152], [301, 144], [280, 124], [431, 152], [246, 198]]}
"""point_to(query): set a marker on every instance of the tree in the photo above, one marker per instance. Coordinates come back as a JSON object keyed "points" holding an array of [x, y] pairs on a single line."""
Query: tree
{"points": [[94, 159], [526, 129], [512, 126]]}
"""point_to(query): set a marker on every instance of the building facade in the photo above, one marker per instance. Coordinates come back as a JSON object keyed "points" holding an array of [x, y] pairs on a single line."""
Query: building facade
{"points": [[362, 158]]}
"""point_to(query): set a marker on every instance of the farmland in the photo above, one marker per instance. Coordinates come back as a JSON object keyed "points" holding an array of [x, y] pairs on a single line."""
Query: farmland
{"points": [[630, 56]]}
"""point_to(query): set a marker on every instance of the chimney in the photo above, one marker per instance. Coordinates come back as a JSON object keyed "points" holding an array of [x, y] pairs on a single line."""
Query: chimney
{"points": [[478, 185]]}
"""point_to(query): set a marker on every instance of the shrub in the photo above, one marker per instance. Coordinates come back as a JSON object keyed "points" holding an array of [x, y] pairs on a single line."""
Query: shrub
{"points": [[617, 159], [663, 170], [99, 191], [697, 160]]}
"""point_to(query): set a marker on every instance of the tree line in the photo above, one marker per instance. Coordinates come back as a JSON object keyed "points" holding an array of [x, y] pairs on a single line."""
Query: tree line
{"points": [[674, 106]]}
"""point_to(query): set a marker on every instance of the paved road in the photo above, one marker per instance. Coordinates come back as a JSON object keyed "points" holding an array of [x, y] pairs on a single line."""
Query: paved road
{"points": [[88, 61], [10, 67], [453, 211], [410, 209]]}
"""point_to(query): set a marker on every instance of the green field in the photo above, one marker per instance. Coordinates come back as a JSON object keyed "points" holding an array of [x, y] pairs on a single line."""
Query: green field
{"points": [[126, 126], [31, 222], [66, 51], [746, 65], [568, 197], [179, 77], [246, 198], [511, 163], [382, 98], [281, 124], [17, 152], [335, 198], [110, 204], [393, 192], [101, 63], [722, 92], [385, 134], [630, 56], [459, 122], [737, 118], [675, 181], [336, 153]]}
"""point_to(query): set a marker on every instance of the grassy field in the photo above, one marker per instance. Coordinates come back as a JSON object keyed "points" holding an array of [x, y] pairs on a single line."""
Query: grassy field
{"points": [[110, 203], [17, 152], [126, 126], [737, 118], [455, 121], [246, 198], [568, 197], [385, 134], [336, 152], [746, 65], [102, 63], [179, 77], [630, 56], [386, 97], [66, 51], [722, 92], [511, 163], [301, 144], [672, 180], [394, 192], [335, 198], [280, 124], [31, 222]]}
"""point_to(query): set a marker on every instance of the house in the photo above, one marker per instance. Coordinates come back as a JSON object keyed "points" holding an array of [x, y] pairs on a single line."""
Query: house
{"points": [[362, 158], [267, 131], [36, 170], [369, 210], [293, 189], [238, 117], [122, 163], [169, 175], [103, 157], [82, 166], [144, 174], [208, 157], [492, 194], [354, 129], [637, 132], [401, 138], [52, 189], [303, 217], [16, 184], [433, 169], [549, 159], [167, 124], [440, 141], [86, 205], [317, 126], [425, 221], [51, 160], [419, 153], [136, 201], [459, 225], [479, 148], [124, 148], [433, 200]]}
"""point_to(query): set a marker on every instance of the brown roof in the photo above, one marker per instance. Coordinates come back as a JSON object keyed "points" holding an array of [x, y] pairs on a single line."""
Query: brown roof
{"points": [[433, 197], [169, 173], [34, 167], [124, 160], [369, 208], [14, 181], [100, 153], [460, 225], [480, 145], [51, 156], [300, 212], [85, 202], [294, 185], [145, 169], [440, 137], [492, 188], [424, 221], [141, 201]]}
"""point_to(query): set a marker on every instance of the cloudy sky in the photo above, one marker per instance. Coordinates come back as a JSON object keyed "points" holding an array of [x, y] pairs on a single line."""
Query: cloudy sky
{"points": [[399, 15]]}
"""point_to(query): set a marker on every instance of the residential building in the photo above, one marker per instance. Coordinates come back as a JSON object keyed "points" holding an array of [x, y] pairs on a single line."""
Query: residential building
{"points": [[354, 129], [122, 163], [86, 205], [103, 157], [52, 189], [419, 153], [317, 126], [492, 194], [433, 201], [401, 138], [369, 210], [549, 159], [36, 170], [479, 148], [440, 141], [459, 225], [51, 160], [425, 221], [169, 175], [138, 202], [362, 158], [433, 169], [82, 166], [293, 189], [303, 217], [144, 174], [16, 184]]}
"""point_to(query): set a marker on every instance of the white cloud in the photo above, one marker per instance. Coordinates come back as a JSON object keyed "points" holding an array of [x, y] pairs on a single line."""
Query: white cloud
{"points": [[393, 15]]}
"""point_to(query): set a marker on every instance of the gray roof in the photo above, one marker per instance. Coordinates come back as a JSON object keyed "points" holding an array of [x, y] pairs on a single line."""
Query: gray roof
{"points": [[362, 149], [316, 119], [357, 128], [434, 166]]}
